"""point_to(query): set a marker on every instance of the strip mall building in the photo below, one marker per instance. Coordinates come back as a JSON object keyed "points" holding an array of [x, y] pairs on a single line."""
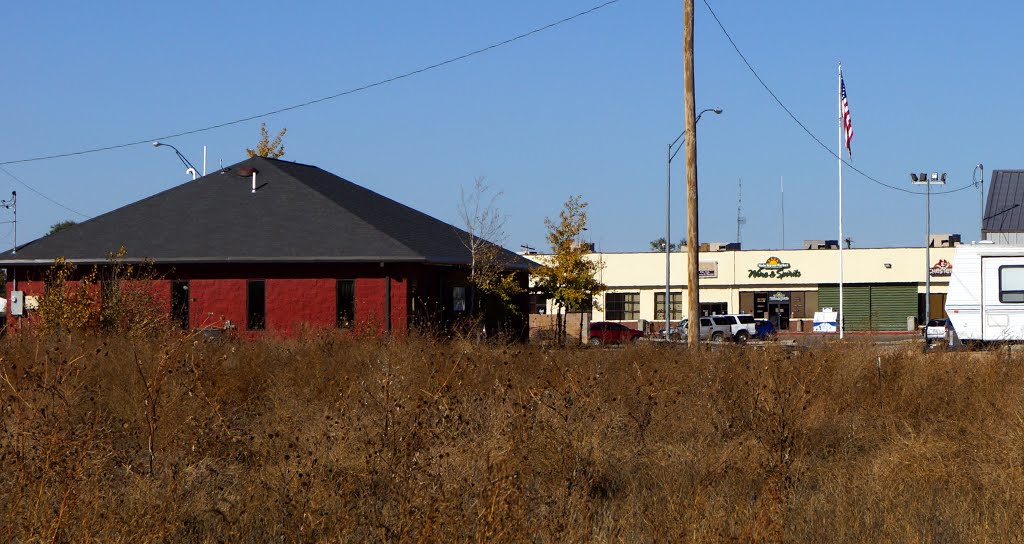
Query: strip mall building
{"points": [[882, 288]]}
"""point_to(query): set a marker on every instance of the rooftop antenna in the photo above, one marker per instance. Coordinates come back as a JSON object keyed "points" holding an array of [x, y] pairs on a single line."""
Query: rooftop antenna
{"points": [[740, 220]]}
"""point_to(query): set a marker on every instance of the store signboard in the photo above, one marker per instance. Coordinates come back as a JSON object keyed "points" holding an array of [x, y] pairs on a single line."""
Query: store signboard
{"points": [[707, 269], [942, 268], [778, 296], [773, 267]]}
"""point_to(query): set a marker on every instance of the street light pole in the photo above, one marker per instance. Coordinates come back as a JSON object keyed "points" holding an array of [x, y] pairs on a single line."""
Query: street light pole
{"points": [[668, 219], [934, 180], [189, 169], [981, 194], [668, 241]]}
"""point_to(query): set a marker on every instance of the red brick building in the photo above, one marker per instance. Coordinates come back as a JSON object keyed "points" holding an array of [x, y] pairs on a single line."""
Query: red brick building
{"points": [[270, 245]]}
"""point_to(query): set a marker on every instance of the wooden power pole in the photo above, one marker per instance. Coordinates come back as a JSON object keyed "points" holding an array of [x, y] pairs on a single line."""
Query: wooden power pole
{"points": [[692, 239]]}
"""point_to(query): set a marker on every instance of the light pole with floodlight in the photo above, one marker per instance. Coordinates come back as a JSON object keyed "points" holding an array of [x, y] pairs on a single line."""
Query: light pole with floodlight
{"points": [[980, 181], [923, 179], [667, 306]]}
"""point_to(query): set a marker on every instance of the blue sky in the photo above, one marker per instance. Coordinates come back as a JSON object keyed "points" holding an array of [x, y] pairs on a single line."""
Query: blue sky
{"points": [[585, 108]]}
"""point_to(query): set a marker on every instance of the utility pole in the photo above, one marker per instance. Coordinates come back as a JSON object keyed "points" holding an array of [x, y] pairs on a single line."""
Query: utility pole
{"points": [[692, 239], [12, 204]]}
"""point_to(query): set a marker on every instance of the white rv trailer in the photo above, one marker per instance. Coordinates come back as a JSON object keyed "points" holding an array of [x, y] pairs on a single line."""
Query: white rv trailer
{"points": [[986, 293]]}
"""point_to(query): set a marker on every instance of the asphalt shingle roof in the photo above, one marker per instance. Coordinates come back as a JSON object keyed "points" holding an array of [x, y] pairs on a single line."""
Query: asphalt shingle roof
{"points": [[1004, 209], [299, 213]]}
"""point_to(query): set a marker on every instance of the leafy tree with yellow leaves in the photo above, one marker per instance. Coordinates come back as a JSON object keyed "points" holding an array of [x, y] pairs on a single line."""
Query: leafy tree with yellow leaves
{"points": [[568, 276], [117, 297], [266, 147]]}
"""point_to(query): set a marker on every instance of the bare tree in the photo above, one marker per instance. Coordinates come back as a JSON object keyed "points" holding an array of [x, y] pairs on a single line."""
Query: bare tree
{"points": [[485, 227], [484, 224]]}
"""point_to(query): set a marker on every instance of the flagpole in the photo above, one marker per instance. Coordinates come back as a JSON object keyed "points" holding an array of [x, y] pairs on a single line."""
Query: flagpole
{"points": [[839, 99]]}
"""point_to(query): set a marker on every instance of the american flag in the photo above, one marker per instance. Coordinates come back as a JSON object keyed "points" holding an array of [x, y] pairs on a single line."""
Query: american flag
{"points": [[847, 122]]}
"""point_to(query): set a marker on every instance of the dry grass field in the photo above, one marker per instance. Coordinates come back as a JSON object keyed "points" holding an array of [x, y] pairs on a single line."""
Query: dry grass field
{"points": [[327, 438]]}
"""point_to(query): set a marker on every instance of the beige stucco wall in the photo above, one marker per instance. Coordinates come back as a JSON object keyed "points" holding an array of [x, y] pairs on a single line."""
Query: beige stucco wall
{"points": [[645, 272]]}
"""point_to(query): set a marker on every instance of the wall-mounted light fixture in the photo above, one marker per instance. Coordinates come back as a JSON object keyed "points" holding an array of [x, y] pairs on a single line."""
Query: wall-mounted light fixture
{"points": [[888, 265]]}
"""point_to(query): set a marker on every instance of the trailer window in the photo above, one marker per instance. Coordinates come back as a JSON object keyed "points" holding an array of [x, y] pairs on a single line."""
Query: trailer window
{"points": [[1011, 284]]}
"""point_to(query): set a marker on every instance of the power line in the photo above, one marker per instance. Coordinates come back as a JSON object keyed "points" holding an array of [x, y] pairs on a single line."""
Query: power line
{"points": [[804, 127], [36, 191], [325, 98]]}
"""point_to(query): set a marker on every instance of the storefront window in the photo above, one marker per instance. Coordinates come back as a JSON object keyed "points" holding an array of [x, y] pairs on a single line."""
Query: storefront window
{"points": [[677, 306], [714, 308], [622, 306]]}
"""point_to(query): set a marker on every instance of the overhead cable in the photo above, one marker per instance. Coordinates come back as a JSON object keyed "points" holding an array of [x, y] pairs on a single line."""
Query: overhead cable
{"points": [[321, 99], [804, 127]]}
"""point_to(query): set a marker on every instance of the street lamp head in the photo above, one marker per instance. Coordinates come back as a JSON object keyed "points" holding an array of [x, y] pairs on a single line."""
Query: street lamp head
{"points": [[913, 176], [943, 177], [718, 111], [935, 176], [923, 176], [157, 143]]}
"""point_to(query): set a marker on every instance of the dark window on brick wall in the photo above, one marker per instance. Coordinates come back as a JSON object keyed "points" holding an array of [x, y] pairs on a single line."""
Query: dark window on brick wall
{"points": [[346, 304], [179, 303], [256, 305]]}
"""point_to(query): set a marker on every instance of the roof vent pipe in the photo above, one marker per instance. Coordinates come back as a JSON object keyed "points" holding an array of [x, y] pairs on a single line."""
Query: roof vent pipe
{"points": [[247, 171]]}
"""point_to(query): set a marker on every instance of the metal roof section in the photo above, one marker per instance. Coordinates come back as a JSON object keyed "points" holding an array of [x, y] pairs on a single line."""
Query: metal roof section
{"points": [[1004, 208]]}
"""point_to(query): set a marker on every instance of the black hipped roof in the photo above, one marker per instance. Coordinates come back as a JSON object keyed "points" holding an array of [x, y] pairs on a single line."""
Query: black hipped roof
{"points": [[299, 213]]}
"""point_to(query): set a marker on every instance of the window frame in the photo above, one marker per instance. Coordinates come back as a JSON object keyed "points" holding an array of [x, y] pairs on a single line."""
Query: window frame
{"points": [[255, 321], [630, 306], [182, 321], [341, 321], [676, 299], [714, 308], [1004, 292], [459, 298]]}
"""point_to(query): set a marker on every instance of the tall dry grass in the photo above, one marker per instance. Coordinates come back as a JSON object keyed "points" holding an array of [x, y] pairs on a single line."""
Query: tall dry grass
{"points": [[332, 438]]}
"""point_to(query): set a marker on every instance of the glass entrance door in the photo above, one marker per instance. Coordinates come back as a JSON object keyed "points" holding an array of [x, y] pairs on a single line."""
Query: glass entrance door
{"points": [[778, 309]]}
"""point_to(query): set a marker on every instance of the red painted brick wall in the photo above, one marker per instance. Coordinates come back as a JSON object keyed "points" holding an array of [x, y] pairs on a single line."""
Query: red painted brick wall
{"points": [[297, 296], [161, 290], [371, 311], [212, 302], [296, 303]]}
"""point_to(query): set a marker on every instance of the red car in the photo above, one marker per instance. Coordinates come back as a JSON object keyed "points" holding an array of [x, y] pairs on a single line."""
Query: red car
{"points": [[606, 332]]}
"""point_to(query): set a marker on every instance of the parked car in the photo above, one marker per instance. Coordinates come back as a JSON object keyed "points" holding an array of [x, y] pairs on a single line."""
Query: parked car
{"points": [[680, 330], [607, 332], [937, 329], [764, 330], [738, 328]]}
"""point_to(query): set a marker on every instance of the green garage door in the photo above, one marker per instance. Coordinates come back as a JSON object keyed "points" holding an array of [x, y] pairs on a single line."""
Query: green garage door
{"points": [[872, 307]]}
